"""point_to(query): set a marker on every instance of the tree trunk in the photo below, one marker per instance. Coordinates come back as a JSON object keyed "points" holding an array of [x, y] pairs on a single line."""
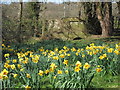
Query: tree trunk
{"points": [[37, 11], [103, 14], [21, 9], [20, 22], [118, 5], [43, 20], [43, 28]]}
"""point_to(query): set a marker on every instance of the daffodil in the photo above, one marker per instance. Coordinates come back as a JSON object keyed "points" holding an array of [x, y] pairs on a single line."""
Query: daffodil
{"points": [[92, 44], [91, 48], [98, 69], [15, 75], [66, 71], [27, 87], [26, 58], [25, 61], [7, 55], [98, 66], [59, 72], [86, 66], [78, 51], [83, 55], [12, 66], [91, 53], [65, 62], [110, 50], [4, 72], [101, 57], [3, 45], [62, 55], [64, 47], [78, 64], [6, 65], [104, 55], [68, 54], [53, 65], [54, 77], [20, 60], [28, 75], [55, 57], [46, 71], [117, 46], [26, 53], [5, 77], [73, 49], [51, 69], [35, 60], [116, 52], [31, 55], [56, 49], [8, 61], [77, 69], [1, 76], [52, 53], [94, 52], [40, 72], [14, 60], [76, 54], [19, 66], [46, 51]]}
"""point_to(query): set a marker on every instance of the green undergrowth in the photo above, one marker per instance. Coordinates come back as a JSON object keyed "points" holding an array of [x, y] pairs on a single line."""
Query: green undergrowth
{"points": [[106, 81]]}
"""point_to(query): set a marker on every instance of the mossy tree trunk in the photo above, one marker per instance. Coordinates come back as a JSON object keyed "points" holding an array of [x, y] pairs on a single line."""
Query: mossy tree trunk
{"points": [[43, 19]]}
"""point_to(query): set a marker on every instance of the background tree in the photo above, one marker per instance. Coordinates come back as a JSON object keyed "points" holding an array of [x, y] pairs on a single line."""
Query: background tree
{"points": [[103, 11], [43, 19], [34, 11], [97, 18], [10, 22], [20, 21], [118, 5], [87, 15]]}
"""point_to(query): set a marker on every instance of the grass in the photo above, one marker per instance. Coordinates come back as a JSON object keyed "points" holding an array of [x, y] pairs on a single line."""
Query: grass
{"points": [[34, 44], [108, 81]]}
